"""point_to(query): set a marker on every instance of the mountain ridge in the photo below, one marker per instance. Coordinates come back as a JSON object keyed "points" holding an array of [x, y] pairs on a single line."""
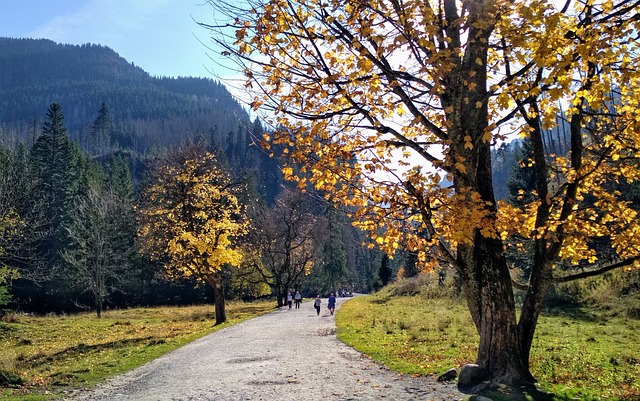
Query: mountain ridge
{"points": [[161, 111]]}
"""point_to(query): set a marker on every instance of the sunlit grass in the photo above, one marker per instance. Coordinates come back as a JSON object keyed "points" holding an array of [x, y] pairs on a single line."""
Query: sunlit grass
{"points": [[51, 353], [576, 356]]}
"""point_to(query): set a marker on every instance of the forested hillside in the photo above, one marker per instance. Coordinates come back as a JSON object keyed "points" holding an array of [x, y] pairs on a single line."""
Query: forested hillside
{"points": [[148, 111], [95, 154]]}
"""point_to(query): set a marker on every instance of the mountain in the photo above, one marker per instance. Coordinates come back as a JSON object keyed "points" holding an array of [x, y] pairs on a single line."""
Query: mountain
{"points": [[147, 111]]}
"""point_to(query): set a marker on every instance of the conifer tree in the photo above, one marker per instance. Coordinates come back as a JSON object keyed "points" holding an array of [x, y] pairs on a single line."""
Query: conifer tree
{"points": [[55, 164], [385, 273], [334, 255], [100, 132]]}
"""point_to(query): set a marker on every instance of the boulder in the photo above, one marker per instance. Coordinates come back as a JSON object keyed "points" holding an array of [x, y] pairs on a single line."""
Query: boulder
{"points": [[473, 379]]}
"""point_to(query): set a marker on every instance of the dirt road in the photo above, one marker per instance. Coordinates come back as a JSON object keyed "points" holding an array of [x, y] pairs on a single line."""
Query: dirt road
{"points": [[285, 355]]}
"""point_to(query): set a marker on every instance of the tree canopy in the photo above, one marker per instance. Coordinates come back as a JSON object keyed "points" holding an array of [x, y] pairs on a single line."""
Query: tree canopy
{"points": [[189, 216], [379, 102]]}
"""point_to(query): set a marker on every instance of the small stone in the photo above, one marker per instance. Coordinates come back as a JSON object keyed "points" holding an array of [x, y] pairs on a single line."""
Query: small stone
{"points": [[450, 374]]}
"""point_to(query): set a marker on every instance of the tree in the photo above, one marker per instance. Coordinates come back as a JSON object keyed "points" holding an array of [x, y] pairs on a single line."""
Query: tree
{"points": [[189, 216], [9, 230], [284, 242], [98, 255], [100, 132], [334, 257], [419, 91], [385, 273], [55, 162]]}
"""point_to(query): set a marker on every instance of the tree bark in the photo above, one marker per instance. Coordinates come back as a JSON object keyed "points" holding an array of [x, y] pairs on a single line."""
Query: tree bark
{"points": [[215, 281], [481, 263]]}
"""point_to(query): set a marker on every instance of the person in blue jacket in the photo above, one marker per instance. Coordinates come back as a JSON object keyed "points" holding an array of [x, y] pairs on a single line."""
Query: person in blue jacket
{"points": [[332, 303]]}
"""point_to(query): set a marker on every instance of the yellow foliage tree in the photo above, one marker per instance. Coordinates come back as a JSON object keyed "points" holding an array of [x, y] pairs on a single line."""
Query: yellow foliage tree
{"points": [[189, 217], [379, 101]]}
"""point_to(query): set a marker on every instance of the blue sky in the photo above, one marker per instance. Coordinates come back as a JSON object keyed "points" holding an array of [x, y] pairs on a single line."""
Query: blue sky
{"points": [[160, 36]]}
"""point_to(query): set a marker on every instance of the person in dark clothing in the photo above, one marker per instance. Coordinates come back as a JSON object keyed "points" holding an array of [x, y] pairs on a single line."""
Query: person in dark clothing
{"points": [[316, 304], [298, 299], [332, 303]]}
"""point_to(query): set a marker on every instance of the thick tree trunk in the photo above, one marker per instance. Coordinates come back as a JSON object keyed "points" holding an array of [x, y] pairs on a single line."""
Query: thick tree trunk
{"points": [[499, 350], [215, 281]]}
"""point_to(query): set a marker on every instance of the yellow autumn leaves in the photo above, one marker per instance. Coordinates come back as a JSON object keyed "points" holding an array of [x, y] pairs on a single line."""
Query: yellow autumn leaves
{"points": [[374, 100], [190, 216]]}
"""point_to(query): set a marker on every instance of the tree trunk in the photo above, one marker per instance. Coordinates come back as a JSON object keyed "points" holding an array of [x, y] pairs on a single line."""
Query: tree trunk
{"points": [[98, 306], [481, 263], [490, 299], [541, 280], [215, 281]]}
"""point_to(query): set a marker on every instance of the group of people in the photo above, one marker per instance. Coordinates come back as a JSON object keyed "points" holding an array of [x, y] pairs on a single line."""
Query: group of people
{"points": [[331, 302], [297, 298]]}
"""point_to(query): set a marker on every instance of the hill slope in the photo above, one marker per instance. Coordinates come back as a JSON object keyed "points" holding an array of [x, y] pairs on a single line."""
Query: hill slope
{"points": [[148, 111]]}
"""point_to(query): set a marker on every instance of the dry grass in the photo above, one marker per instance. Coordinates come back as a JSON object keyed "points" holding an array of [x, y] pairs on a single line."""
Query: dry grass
{"points": [[49, 353]]}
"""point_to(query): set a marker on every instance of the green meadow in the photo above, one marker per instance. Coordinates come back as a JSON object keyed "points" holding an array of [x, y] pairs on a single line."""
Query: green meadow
{"points": [[579, 353]]}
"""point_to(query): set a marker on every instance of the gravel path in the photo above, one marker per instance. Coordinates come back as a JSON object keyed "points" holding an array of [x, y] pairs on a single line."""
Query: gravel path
{"points": [[284, 355]]}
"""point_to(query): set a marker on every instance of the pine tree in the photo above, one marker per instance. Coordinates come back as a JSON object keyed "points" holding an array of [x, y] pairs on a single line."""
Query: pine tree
{"points": [[385, 273], [522, 183], [52, 158], [119, 179], [101, 131], [334, 255]]}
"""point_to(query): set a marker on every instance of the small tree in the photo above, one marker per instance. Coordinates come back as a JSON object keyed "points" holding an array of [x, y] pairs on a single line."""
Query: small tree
{"points": [[285, 242], [9, 221], [98, 256], [385, 273], [189, 216]]}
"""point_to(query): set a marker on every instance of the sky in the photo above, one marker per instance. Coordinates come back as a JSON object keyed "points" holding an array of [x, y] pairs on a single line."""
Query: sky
{"points": [[160, 36]]}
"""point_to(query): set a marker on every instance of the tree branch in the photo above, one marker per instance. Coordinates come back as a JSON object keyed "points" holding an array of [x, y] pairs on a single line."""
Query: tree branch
{"points": [[591, 273]]}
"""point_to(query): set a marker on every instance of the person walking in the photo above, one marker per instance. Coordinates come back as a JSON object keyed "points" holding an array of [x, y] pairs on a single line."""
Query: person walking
{"points": [[316, 304], [332, 303], [289, 299], [298, 299]]}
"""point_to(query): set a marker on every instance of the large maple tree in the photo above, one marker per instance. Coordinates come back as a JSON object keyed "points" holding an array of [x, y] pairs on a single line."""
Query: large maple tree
{"points": [[378, 101], [189, 216]]}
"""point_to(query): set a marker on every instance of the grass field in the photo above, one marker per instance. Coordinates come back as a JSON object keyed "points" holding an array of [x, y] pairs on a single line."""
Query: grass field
{"points": [[577, 354], [41, 357]]}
